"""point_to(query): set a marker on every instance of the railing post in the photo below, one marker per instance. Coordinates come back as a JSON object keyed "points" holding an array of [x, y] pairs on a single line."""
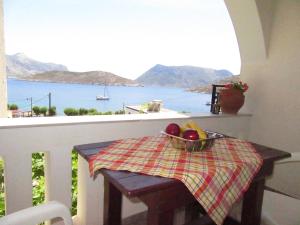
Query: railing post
{"points": [[58, 176], [18, 181], [90, 196]]}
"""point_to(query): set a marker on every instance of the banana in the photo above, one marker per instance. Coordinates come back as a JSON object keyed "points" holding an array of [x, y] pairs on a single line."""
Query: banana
{"points": [[192, 125], [201, 132], [183, 128]]}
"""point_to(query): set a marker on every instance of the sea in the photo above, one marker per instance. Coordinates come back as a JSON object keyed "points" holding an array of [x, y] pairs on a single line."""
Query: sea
{"points": [[64, 95]]}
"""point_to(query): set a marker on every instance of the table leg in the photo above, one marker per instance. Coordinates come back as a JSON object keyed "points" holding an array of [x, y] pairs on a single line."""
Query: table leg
{"points": [[155, 217], [193, 210], [112, 204], [252, 203]]}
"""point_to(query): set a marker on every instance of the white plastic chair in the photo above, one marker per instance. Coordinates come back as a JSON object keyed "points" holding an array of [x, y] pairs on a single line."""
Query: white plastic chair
{"points": [[282, 201], [281, 204], [286, 176], [38, 214]]}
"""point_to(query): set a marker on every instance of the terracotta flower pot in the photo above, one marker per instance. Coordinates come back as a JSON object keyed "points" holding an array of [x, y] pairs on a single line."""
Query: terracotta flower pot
{"points": [[231, 100]]}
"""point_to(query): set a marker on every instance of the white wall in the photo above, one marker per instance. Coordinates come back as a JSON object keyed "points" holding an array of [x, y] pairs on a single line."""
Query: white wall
{"points": [[274, 99], [3, 80], [274, 80], [273, 76]]}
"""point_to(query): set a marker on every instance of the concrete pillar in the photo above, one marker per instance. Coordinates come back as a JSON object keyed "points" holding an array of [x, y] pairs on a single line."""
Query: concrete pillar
{"points": [[3, 79]]}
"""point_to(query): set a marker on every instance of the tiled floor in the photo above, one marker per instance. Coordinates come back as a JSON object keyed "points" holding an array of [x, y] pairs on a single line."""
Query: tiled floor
{"points": [[141, 219], [138, 219]]}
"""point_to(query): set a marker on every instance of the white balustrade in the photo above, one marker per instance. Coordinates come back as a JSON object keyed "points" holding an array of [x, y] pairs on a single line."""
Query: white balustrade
{"points": [[56, 136]]}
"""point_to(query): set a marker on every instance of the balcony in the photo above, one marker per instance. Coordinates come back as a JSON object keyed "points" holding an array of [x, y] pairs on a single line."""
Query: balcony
{"points": [[56, 137], [269, 48]]}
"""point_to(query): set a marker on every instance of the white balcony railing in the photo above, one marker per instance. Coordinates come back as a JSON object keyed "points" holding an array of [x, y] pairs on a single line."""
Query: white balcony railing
{"points": [[56, 136]]}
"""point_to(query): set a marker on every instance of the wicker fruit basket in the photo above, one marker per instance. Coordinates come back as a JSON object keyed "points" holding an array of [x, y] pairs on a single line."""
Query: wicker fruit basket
{"points": [[193, 145]]}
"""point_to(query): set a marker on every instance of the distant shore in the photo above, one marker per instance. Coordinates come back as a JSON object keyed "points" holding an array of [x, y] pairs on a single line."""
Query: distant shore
{"points": [[202, 90], [70, 82], [207, 89]]}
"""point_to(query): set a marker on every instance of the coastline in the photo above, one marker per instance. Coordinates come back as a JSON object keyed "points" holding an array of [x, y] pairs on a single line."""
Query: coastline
{"points": [[65, 95], [207, 89], [70, 82]]}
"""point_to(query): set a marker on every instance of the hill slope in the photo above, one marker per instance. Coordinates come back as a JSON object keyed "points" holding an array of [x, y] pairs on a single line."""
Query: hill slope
{"points": [[91, 77], [181, 76], [208, 88], [21, 66]]}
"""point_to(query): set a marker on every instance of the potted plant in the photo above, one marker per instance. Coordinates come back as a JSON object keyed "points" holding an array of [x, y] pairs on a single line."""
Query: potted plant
{"points": [[232, 97]]}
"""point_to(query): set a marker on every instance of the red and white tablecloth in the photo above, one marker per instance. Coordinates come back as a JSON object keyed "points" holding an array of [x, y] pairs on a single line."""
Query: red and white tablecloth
{"points": [[217, 177]]}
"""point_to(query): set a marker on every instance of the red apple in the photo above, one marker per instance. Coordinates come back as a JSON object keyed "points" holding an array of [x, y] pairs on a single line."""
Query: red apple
{"points": [[190, 134], [173, 129]]}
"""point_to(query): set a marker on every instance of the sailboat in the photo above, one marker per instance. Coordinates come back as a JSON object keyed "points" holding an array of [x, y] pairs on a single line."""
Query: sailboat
{"points": [[104, 96]]}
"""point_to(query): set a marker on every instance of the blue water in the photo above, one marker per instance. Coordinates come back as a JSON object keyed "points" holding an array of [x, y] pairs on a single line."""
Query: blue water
{"points": [[81, 95]]}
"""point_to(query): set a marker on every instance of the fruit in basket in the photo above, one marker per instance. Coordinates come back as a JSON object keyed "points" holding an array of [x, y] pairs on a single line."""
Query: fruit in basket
{"points": [[192, 125], [173, 129], [182, 129], [190, 134]]}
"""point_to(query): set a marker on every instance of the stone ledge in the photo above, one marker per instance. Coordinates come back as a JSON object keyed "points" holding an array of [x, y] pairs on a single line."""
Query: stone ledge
{"points": [[72, 120]]}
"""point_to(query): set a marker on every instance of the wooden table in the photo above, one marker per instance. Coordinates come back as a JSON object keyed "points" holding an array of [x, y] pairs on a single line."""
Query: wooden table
{"points": [[164, 195]]}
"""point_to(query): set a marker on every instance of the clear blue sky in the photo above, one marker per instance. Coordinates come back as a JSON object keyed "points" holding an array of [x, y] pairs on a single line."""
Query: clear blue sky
{"points": [[126, 37]]}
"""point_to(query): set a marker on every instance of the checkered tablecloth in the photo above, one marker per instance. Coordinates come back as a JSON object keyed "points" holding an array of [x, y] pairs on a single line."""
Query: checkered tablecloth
{"points": [[217, 177]]}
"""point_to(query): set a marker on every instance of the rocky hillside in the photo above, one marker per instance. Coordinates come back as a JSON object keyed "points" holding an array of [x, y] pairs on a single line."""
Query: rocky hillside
{"points": [[91, 77], [20, 66], [181, 76], [208, 88]]}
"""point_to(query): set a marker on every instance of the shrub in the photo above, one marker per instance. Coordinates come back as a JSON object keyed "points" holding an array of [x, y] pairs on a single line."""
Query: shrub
{"points": [[92, 111], [71, 112], [52, 111], [36, 110], [83, 111], [120, 112], [74, 182], [38, 178], [107, 113], [13, 107], [43, 110]]}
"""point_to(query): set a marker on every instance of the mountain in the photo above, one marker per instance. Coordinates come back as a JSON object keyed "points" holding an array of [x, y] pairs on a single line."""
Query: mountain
{"points": [[91, 77], [20, 66], [181, 76]]}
